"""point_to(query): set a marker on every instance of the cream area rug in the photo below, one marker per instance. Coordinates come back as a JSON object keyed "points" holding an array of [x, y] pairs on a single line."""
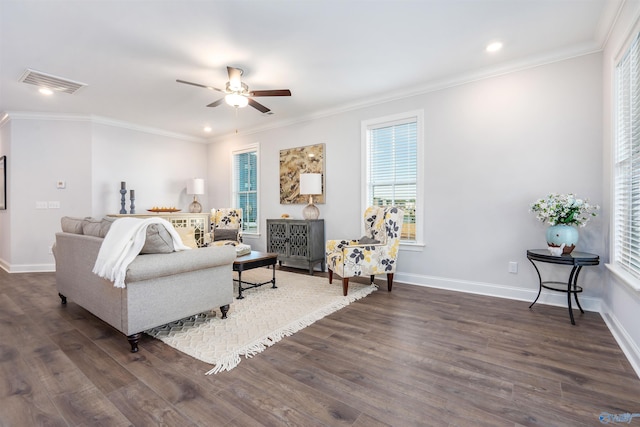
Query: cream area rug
{"points": [[261, 319]]}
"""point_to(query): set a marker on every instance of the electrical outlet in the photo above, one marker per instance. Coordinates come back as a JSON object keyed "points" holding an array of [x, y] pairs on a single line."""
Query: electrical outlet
{"points": [[513, 267]]}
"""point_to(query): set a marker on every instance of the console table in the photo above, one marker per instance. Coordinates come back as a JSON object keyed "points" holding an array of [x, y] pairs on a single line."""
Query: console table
{"points": [[297, 240], [575, 259], [200, 222]]}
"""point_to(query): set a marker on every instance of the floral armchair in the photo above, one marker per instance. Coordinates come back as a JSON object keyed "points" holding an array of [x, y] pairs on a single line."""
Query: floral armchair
{"points": [[374, 253], [226, 229]]}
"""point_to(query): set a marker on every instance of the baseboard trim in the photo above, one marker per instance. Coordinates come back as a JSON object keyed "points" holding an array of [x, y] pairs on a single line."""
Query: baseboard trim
{"points": [[500, 291], [28, 268], [626, 343]]}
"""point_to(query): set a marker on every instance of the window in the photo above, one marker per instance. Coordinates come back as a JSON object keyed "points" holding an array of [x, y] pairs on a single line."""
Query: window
{"points": [[245, 186], [393, 168], [626, 215]]}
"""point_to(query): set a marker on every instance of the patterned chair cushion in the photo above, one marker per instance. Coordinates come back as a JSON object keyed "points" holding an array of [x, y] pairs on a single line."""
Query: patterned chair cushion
{"points": [[349, 258]]}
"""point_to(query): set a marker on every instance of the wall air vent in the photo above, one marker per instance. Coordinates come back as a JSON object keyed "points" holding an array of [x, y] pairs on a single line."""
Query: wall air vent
{"points": [[49, 81]]}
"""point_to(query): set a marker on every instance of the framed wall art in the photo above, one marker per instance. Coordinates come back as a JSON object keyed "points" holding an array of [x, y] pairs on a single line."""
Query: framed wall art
{"points": [[3, 182], [293, 162]]}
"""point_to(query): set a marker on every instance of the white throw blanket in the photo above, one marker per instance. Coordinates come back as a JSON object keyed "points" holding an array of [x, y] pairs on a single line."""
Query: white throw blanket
{"points": [[123, 243]]}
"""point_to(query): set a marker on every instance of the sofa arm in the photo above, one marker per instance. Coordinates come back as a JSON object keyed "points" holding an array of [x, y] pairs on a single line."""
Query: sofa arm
{"points": [[151, 266]]}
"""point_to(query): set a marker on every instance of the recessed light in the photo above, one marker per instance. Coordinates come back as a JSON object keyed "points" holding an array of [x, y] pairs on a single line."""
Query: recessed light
{"points": [[45, 91], [207, 129], [494, 46]]}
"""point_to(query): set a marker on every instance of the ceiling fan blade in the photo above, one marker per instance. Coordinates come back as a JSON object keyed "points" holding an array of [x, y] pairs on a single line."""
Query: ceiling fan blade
{"points": [[216, 103], [199, 85], [258, 106], [276, 92]]}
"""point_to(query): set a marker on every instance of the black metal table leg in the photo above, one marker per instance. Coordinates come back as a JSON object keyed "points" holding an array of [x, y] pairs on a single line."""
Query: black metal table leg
{"points": [[274, 277], [539, 281], [575, 288], [569, 283], [240, 285]]}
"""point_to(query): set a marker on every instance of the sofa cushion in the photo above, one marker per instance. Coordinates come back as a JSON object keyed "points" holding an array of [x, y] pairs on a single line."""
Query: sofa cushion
{"points": [[158, 240], [225, 234], [91, 227], [72, 224], [105, 225]]}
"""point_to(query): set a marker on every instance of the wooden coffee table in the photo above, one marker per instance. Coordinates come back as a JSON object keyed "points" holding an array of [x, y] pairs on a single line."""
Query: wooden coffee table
{"points": [[254, 260]]}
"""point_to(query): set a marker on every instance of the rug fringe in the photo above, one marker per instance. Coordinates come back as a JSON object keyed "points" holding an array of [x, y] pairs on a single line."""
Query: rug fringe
{"points": [[230, 361]]}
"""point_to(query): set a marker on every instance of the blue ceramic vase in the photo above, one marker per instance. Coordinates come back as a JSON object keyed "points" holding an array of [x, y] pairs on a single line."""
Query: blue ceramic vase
{"points": [[561, 233]]}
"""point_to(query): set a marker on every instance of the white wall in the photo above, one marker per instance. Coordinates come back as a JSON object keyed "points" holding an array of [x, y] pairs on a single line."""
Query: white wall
{"points": [[5, 215], [157, 167], [491, 148], [92, 157], [43, 152], [621, 302]]}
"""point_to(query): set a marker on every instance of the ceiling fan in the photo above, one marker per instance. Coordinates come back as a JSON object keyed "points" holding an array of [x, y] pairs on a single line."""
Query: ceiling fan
{"points": [[237, 92]]}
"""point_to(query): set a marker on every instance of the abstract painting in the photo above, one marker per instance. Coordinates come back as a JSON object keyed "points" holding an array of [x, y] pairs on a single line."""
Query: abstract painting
{"points": [[293, 162]]}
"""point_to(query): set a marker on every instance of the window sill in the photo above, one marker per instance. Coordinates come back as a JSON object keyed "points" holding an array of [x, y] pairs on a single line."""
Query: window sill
{"points": [[250, 235], [624, 277], [412, 247]]}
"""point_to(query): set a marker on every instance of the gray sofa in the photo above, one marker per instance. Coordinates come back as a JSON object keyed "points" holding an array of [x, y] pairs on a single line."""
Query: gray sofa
{"points": [[160, 287]]}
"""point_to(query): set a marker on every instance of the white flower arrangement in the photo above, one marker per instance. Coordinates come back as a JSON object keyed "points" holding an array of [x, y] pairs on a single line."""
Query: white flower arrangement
{"points": [[564, 209]]}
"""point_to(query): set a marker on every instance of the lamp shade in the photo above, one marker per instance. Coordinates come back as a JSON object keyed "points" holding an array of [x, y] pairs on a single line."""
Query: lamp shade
{"points": [[310, 183], [195, 186]]}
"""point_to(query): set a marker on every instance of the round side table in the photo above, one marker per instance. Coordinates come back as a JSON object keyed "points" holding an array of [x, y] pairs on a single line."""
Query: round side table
{"points": [[575, 259]]}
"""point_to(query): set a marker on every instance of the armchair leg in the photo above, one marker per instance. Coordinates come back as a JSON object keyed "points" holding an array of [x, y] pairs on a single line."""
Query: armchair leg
{"points": [[389, 281], [373, 278], [330, 276], [345, 285]]}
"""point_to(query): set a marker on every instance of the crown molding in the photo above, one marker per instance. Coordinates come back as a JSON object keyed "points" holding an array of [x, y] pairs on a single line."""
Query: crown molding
{"points": [[27, 115], [432, 86]]}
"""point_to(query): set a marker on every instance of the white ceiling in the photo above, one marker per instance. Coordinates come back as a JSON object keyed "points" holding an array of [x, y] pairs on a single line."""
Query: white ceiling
{"points": [[332, 54]]}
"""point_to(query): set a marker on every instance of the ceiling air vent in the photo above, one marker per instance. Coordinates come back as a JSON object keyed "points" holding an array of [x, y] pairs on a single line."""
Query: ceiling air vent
{"points": [[58, 84]]}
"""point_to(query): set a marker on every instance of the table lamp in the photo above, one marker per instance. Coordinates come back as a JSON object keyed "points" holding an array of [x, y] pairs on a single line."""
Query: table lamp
{"points": [[310, 184], [195, 186]]}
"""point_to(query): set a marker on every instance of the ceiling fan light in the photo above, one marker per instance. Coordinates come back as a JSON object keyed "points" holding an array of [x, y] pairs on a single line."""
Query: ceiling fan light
{"points": [[236, 100]]}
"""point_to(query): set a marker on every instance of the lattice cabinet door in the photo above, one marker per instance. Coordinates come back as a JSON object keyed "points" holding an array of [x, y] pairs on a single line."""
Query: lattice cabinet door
{"points": [[297, 241], [277, 238], [199, 223]]}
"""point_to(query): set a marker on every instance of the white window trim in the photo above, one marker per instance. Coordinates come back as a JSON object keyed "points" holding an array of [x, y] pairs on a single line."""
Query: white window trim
{"points": [[247, 149], [419, 244], [623, 276]]}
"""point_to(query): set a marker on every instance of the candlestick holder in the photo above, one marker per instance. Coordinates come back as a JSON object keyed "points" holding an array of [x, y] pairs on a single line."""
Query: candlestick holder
{"points": [[132, 197], [123, 191]]}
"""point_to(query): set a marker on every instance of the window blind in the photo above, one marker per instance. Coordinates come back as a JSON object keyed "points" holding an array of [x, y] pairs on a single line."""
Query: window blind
{"points": [[245, 171], [627, 161], [392, 170]]}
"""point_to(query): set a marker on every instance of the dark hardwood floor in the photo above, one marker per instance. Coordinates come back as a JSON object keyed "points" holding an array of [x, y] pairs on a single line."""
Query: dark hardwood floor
{"points": [[416, 356]]}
